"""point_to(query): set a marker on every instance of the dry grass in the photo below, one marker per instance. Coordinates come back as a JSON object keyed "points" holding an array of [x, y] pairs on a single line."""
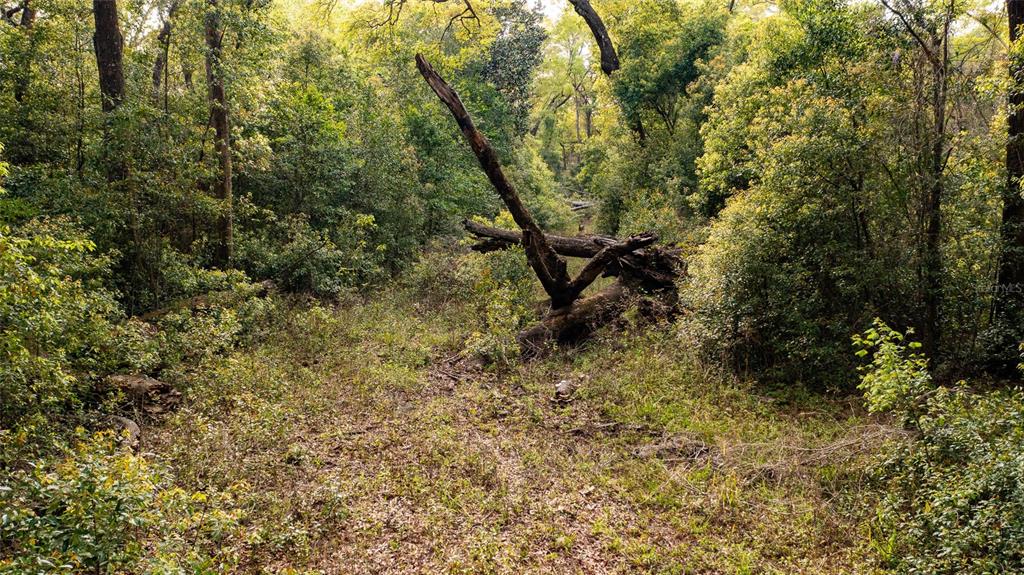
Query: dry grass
{"points": [[368, 445]]}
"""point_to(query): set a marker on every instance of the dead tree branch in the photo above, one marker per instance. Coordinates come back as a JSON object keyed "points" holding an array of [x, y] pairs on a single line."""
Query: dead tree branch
{"points": [[609, 59], [649, 269], [550, 268], [634, 261]]}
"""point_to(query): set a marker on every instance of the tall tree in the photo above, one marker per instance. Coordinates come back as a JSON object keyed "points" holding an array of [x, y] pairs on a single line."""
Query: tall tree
{"points": [[1009, 295], [26, 22], [219, 116], [931, 33], [160, 68], [22, 17], [109, 46]]}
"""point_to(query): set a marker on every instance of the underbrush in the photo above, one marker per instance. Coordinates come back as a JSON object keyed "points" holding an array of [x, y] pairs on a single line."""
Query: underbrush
{"points": [[98, 508], [953, 490], [403, 433], [367, 437], [75, 496], [499, 286]]}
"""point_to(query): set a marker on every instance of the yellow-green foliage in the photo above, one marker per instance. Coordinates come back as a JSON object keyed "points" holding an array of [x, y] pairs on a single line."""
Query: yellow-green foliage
{"points": [[362, 420], [101, 509], [897, 379], [55, 328], [953, 490]]}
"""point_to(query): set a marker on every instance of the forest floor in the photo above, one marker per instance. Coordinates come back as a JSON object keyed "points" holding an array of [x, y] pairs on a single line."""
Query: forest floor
{"points": [[361, 441]]}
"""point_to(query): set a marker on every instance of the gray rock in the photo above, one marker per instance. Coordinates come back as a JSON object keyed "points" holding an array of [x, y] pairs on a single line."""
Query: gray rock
{"points": [[122, 425]]}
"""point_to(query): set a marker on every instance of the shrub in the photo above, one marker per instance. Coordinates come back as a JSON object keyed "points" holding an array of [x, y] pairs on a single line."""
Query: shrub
{"points": [[500, 286], [953, 499], [439, 277], [301, 258], [56, 331], [502, 293], [897, 379], [102, 509]]}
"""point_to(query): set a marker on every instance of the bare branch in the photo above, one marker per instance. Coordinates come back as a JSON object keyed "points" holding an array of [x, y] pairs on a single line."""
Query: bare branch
{"points": [[550, 269], [395, 7], [609, 59], [597, 265], [913, 32], [988, 29], [7, 14]]}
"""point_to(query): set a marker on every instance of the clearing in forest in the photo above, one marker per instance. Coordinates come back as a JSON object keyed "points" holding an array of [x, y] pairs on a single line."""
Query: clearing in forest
{"points": [[362, 441]]}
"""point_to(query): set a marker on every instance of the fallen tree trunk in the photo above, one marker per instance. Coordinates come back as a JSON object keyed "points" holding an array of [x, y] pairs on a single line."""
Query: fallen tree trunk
{"points": [[638, 265], [650, 269], [491, 239], [575, 323]]}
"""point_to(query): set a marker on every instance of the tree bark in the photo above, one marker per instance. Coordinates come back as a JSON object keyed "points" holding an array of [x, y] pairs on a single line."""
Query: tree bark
{"points": [[933, 264], [493, 239], [550, 269], [609, 59], [1009, 290], [576, 323], [109, 46], [651, 269], [220, 119], [27, 21]]}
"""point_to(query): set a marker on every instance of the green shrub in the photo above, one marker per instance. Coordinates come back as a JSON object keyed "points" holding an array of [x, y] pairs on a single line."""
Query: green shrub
{"points": [[500, 286], [502, 290], [101, 509], [56, 331], [954, 501], [439, 277], [897, 379], [953, 492], [301, 258]]}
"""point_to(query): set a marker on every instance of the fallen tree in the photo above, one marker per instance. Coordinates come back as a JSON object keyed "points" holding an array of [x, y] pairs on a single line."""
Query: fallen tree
{"points": [[650, 269], [639, 266]]}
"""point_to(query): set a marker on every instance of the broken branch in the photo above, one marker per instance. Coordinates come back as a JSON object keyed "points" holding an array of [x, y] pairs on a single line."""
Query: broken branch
{"points": [[550, 268], [609, 59], [597, 265]]}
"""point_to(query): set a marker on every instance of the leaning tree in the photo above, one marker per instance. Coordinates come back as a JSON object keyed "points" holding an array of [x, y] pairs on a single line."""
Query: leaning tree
{"points": [[639, 266]]}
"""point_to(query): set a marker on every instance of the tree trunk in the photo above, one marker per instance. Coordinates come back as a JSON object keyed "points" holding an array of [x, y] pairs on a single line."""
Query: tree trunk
{"points": [[21, 147], [933, 265], [222, 131], [550, 269], [1009, 291], [933, 42], [27, 21], [573, 324], [649, 270], [160, 75], [109, 47]]}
